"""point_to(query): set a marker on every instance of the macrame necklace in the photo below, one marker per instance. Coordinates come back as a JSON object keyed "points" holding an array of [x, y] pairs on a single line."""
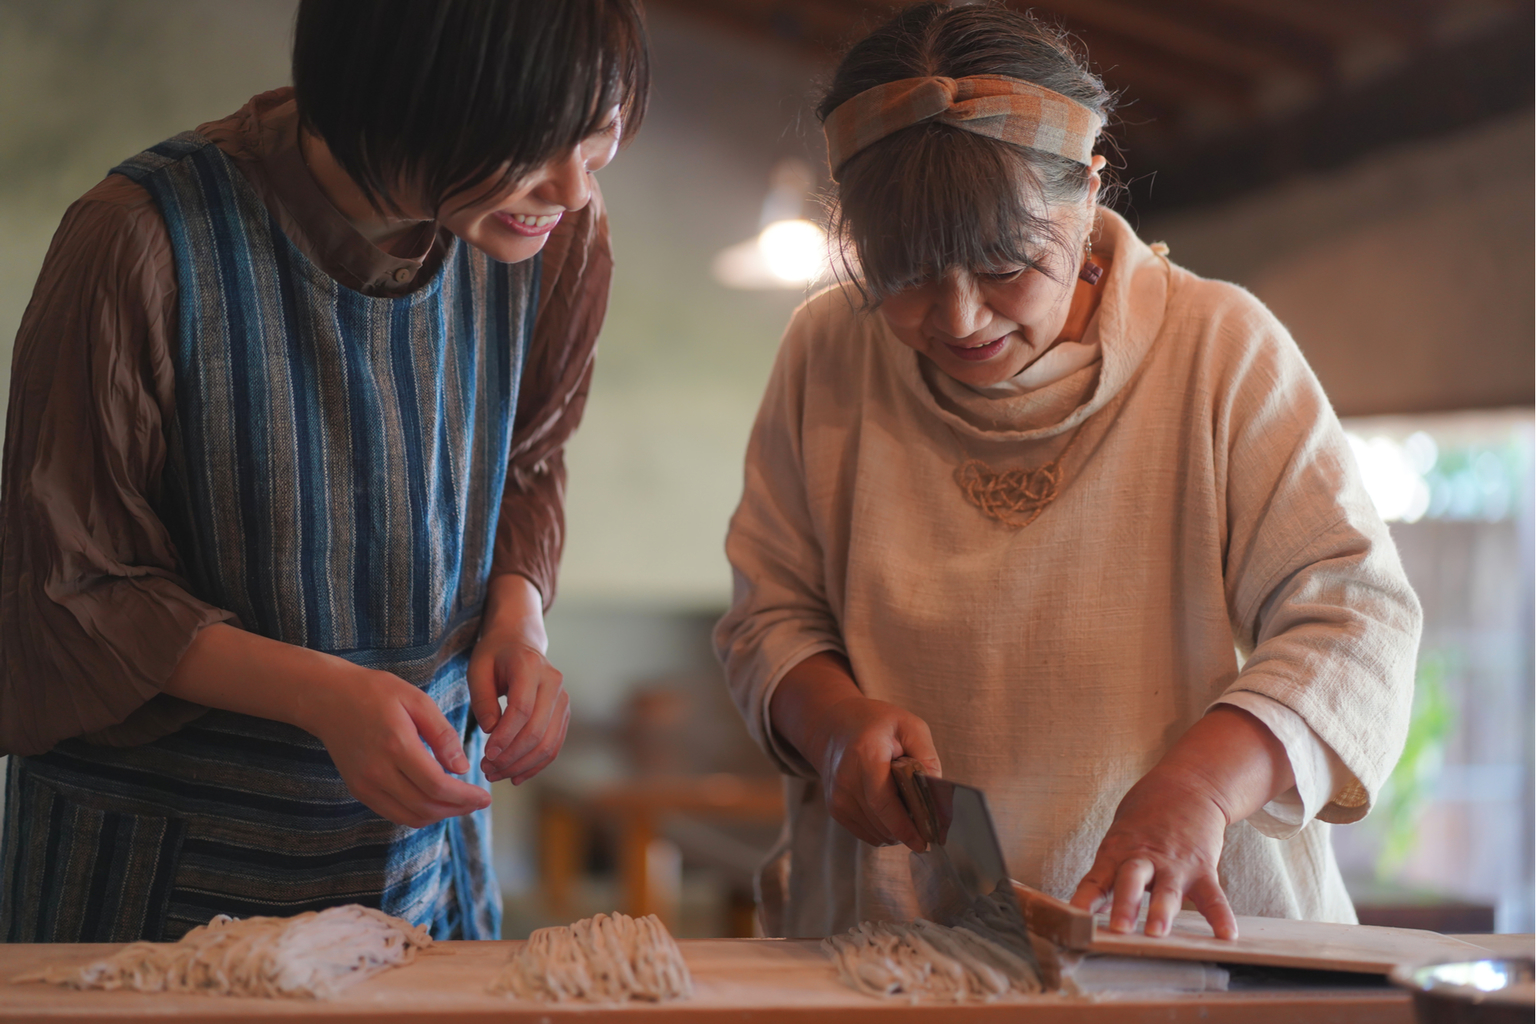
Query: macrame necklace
{"points": [[1015, 497]]}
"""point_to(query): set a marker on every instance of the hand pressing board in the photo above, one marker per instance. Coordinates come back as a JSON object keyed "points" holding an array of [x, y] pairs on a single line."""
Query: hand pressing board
{"points": [[1269, 941]]}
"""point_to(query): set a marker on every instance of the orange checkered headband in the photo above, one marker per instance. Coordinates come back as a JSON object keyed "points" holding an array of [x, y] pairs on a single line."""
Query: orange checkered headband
{"points": [[1008, 109]]}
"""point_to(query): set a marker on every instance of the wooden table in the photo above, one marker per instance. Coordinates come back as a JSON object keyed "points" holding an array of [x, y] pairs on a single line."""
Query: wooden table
{"points": [[742, 981]]}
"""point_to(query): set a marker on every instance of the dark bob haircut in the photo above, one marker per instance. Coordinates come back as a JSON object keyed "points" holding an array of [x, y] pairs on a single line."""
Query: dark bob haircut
{"points": [[441, 95], [932, 197]]}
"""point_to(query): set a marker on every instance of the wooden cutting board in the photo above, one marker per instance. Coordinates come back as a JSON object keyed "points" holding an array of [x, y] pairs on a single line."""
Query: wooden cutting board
{"points": [[1267, 941], [737, 981]]}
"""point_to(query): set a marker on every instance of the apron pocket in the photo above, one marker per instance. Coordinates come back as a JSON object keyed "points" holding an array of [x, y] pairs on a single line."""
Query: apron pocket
{"points": [[75, 873]]}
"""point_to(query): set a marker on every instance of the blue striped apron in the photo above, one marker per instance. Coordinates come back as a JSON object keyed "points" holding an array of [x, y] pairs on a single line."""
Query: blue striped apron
{"points": [[335, 474]]}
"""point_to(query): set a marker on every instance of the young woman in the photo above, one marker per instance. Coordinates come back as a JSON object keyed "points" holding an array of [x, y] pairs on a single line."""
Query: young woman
{"points": [[1011, 498], [283, 479]]}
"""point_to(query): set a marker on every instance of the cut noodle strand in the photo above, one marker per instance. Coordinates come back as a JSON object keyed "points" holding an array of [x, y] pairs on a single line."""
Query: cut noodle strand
{"points": [[311, 956], [603, 959], [927, 962]]}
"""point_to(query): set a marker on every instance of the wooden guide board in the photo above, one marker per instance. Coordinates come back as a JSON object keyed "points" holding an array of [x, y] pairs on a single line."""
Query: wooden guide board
{"points": [[1264, 941], [1277, 942], [742, 981]]}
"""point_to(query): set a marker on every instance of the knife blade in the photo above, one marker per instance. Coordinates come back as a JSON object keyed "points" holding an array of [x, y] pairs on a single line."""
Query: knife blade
{"points": [[961, 879]]}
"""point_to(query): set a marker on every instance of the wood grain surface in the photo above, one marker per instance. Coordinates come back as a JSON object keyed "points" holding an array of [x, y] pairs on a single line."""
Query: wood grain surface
{"points": [[743, 981], [1271, 942], [1277, 942]]}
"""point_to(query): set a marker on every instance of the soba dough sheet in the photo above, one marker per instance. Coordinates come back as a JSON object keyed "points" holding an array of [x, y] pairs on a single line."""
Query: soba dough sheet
{"points": [[602, 959], [311, 956]]}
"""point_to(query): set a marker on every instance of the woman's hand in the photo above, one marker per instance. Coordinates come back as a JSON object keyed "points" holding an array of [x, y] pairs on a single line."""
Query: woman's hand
{"points": [[526, 736], [1167, 833], [850, 740], [508, 661], [1166, 839], [372, 723]]}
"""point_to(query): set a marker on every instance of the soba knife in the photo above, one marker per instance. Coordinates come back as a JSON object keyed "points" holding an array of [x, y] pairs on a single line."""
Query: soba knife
{"points": [[961, 878]]}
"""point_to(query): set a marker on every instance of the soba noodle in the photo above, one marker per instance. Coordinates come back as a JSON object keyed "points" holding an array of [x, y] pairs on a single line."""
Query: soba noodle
{"points": [[927, 962], [310, 956], [604, 959]]}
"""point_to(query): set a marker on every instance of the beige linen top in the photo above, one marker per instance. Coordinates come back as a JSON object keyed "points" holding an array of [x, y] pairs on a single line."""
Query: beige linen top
{"points": [[1319, 775], [94, 608], [1211, 539]]}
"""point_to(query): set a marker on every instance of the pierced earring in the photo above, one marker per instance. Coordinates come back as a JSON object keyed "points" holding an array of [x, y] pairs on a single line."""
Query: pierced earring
{"points": [[1091, 271]]}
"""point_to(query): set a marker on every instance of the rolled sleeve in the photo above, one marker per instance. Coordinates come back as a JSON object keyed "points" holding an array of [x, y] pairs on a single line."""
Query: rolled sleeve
{"points": [[95, 613], [573, 299], [779, 613], [1319, 774], [1320, 605]]}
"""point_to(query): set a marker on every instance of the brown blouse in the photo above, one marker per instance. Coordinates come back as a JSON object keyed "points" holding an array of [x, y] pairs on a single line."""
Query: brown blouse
{"points": [[94, 607]]}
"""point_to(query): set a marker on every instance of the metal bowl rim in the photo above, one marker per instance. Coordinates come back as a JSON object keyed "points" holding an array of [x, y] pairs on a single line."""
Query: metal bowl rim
{"points": [[1405, 976]]}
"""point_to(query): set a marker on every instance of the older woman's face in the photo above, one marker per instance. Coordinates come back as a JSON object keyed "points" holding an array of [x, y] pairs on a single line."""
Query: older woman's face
{"points": [[984, 328]]}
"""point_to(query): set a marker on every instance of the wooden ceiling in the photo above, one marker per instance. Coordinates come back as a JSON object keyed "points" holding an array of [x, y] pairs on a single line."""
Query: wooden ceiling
{"points": [[1219, 96]]}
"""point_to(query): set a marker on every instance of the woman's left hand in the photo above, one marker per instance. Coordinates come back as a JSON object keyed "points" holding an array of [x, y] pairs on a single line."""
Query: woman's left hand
{"points": [[508, 661], [1166, 839], [1167, 834]]}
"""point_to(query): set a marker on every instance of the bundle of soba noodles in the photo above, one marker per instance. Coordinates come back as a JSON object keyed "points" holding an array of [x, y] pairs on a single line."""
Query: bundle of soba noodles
{"points": [[310, 956], [602, 959], [927, 962]]}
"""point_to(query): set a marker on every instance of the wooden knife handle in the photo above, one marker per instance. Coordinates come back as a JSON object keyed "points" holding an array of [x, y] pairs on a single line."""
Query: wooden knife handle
{"points": [[914, 794], [1054, 919]]}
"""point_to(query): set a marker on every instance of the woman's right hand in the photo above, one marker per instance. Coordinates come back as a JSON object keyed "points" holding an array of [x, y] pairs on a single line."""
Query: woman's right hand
{"points": [[851, 740], [373, 724]]}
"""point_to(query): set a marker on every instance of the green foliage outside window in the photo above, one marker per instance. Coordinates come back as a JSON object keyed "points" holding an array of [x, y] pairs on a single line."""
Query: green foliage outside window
{"points": [[1412, 783]]}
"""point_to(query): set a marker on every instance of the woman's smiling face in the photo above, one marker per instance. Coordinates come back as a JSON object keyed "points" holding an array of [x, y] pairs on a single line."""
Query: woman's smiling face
{"points": [[513, 225], [983, 328]]}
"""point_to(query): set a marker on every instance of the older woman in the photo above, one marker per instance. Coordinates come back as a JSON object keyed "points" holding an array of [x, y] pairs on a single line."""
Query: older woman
{"points": [[1036, 506]]}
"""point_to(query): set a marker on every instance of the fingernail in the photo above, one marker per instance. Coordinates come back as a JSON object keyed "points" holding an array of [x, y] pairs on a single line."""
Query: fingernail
{"points": [[492, 749]]}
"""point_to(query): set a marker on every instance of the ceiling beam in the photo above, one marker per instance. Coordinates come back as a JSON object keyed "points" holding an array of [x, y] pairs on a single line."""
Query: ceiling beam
{"points": [[816, 29], [1442, 89], [1128, 63], [1212, 35]]}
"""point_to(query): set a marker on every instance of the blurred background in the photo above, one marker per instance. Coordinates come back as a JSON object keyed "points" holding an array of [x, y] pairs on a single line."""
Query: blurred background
{"points": [[1363, 166]]}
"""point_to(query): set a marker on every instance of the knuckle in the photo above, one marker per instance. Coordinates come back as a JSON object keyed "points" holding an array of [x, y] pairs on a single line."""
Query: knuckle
{"points": [[538, 763]]}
